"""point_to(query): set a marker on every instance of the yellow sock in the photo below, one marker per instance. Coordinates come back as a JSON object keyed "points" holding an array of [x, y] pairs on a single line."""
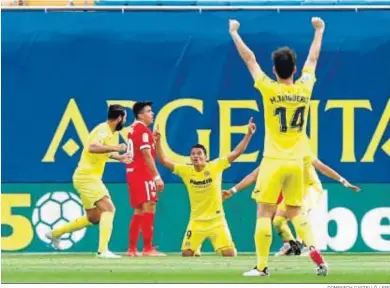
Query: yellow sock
{"points": [[263, 240], [281, 225], [303, 228], [105, 229], [197, 252], [75, 225]]}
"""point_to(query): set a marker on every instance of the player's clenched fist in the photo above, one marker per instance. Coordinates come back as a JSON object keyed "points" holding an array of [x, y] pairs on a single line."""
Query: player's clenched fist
{"points": [[318, 23], [226, 194], [233, 25], [121, 147], [156, 134], [125, 158], [251, 126], [159, 184]]}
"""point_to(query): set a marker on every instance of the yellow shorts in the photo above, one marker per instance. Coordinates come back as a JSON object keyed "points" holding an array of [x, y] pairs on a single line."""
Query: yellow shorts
{"points": [[310, 199], [217, 230], [280, 175], [91, 190]]}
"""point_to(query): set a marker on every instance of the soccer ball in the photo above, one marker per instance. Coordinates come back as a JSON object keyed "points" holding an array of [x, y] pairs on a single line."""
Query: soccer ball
{"points": [[55, 209]]}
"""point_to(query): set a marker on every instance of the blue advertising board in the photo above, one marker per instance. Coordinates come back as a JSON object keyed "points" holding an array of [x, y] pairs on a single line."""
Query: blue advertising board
{"points": [[62, 69]]}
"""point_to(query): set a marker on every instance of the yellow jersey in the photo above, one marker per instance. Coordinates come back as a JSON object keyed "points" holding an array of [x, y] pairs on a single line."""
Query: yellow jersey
{"points": [[204, 188], [286, 108], [92, 164]]}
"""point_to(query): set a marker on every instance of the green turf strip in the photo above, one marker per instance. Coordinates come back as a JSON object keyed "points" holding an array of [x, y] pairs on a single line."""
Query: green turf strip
{"points": [[86, 268]]}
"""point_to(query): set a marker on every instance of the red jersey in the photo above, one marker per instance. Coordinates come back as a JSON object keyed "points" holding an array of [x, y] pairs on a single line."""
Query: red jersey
{"points": [[140, 137]]}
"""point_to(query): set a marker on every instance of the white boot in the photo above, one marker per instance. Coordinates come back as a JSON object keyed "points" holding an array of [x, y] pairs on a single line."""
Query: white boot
{"points": [[108, 254]]}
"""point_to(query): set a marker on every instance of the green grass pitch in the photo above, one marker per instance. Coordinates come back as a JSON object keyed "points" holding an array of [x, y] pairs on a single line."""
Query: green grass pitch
{"points": [[86, 268]]}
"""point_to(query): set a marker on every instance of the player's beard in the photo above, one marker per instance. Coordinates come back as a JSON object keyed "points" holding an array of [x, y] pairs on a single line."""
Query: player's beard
{"points": [[119, 126]]}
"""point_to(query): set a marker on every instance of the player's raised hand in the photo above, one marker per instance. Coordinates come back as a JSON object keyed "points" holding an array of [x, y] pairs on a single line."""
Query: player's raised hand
{"points": [[121, 147], [226, 194], [251, 126], [234, 25], [156, 134], [318, 23]]}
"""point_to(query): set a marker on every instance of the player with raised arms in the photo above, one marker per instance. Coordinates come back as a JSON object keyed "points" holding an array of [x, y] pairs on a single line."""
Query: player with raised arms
{"points": [[203, 180], [87, 180], [143, 179], [286, 107]]}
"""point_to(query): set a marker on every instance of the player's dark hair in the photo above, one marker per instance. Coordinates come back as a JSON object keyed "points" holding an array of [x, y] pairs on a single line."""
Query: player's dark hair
{"points": [[138, 108], [200, 146], [285, 60], [115, 110]]}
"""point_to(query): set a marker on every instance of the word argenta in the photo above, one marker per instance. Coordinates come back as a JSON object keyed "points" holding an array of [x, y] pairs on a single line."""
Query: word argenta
{"points": [[227, 108]]}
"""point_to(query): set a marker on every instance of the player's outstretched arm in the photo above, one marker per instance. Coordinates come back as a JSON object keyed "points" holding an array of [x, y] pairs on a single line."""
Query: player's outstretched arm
{"points": [[99, 148], [246, 54], [241, 147], [315, 48], [244, 183], [329, 172], [162, 158]]}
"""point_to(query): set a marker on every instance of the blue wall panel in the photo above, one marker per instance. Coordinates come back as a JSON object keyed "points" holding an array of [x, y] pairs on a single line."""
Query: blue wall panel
{"points": [[50, 58]]}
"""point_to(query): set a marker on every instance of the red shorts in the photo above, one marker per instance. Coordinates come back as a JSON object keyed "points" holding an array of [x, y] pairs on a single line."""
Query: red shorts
{"points": [[142, 191]]}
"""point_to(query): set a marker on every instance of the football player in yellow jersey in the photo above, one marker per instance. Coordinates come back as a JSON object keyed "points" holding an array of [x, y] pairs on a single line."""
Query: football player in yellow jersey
{"points": [[313, 190], [203, 180], [286, 106], [87, 180]]}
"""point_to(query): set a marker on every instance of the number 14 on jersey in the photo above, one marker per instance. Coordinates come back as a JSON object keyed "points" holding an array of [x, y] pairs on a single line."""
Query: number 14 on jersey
{"points": [[296, 122]]}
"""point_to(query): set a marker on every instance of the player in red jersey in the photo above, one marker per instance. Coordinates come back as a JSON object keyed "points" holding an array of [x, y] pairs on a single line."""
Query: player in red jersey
{"points": [[143, 180]]}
